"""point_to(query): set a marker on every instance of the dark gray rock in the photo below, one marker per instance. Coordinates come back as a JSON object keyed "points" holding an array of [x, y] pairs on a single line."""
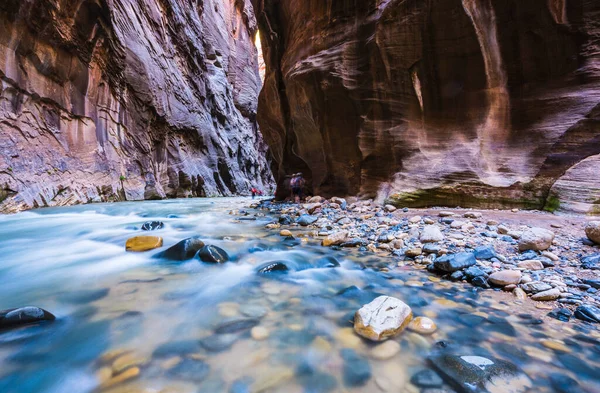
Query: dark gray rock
{"points": [[474, 373], [588, 313], [306, 220], [189, 370], [356, 370], [213, 254], [152, 226], [485, 252], [182, 251], [273, 267], [453, 262], [236, 326], [427, 379], [16, 317], [591, 262]]}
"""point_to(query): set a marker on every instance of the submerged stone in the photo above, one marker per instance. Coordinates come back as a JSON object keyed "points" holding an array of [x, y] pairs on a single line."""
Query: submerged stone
{"points": [[84, 296], [356, 371], [306, 220], [471, 373], [187, 369], [236, 326]]}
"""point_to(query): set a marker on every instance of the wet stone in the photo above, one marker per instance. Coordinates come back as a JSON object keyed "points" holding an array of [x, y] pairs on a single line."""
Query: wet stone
{"points": [[152, 226], [176, 348], [16, 317], [356, 370], [219, 342], [588, 313], [84, 296], [471, 373], [213, 254], [236, 326], [182, 251], [273, 268], [189, 370], [427, 379], [591, 262]]}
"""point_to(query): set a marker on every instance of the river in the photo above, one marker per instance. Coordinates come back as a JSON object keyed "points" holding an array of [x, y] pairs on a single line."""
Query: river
{"points": [[185, 327]]}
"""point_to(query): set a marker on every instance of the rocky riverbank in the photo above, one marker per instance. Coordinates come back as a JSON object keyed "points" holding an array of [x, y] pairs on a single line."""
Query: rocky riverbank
{"points": [[535, 256]]}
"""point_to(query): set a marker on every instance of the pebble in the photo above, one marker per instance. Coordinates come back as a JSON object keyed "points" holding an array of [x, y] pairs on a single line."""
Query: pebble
{"points": [[385, 350], [285, 233], [555, 345], [551, 294], [422, 325], [124, 376], [505, 277], [259, 333]]}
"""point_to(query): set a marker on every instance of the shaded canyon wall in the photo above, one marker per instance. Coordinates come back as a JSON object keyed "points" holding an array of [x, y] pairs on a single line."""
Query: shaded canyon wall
{"points": [[481, 103], [106, 100]]}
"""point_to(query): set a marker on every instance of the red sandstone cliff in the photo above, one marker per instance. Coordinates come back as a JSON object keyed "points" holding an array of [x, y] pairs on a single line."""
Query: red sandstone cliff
{"points": [[127, 99], [451, 102]]}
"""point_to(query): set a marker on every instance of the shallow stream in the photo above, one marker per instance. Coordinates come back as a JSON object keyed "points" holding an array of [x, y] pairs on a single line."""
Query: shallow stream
{"points": [[186, 327]]}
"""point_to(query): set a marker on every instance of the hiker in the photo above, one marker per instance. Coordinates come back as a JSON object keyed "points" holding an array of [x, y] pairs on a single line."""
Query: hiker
{"points": [[297, 185], [253, 191]]}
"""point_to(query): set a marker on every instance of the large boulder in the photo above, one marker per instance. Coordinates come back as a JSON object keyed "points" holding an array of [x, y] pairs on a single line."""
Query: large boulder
{"points": [[592, 230], [450, 263], [537, 239], [383, 318], [182, 251], [16, 317]]}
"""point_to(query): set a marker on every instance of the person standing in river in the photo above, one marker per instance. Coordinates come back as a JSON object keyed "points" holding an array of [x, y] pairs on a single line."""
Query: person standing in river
{"points": [[297, 184], [253, 191]]}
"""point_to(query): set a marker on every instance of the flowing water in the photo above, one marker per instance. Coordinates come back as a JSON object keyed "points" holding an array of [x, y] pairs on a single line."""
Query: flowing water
{"points": [[185, 327]]}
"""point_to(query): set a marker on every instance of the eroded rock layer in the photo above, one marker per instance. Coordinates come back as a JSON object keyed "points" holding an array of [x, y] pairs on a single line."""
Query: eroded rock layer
{"points": [[127, 99], [451, 102]]}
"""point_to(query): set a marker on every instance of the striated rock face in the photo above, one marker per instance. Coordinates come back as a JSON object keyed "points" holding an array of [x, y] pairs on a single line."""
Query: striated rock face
{"points": [[127, 99], [449, 102]]}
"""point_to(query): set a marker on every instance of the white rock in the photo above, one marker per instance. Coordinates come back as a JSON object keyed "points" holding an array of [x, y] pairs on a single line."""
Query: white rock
{"points": [[537, 239], [592, 230], [431, 234], [390, 208], [383, 318]]}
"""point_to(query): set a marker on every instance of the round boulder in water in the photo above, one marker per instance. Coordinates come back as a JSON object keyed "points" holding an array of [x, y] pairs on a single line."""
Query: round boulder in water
{"points": [[16, 317], [273, 268], [327, 262], [153, 226], [213, 254], [182, 251]]}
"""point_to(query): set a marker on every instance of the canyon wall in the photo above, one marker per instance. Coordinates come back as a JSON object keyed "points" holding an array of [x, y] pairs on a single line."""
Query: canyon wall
{"points": [[104, 100], [480, 103]]}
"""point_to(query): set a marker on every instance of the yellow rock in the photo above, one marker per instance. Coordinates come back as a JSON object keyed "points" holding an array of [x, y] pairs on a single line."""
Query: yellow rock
{"points": [[434, 279], [272, 380], [347, 338], [228, 309], [386, 350], [285, 233], [112, 354], [143, 243], [171, 362], [296, 327], [259, 333], [321, 344], [555, 345], [103, 374], [124, 376], [127, 360]]}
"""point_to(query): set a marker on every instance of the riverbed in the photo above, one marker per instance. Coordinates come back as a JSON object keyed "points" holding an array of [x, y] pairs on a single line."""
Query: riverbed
{"points": [[193, 327]]}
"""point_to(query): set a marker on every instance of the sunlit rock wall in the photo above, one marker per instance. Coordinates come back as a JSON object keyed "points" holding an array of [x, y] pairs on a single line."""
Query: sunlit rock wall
{"points": [[127, 99], [443, 102]]}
